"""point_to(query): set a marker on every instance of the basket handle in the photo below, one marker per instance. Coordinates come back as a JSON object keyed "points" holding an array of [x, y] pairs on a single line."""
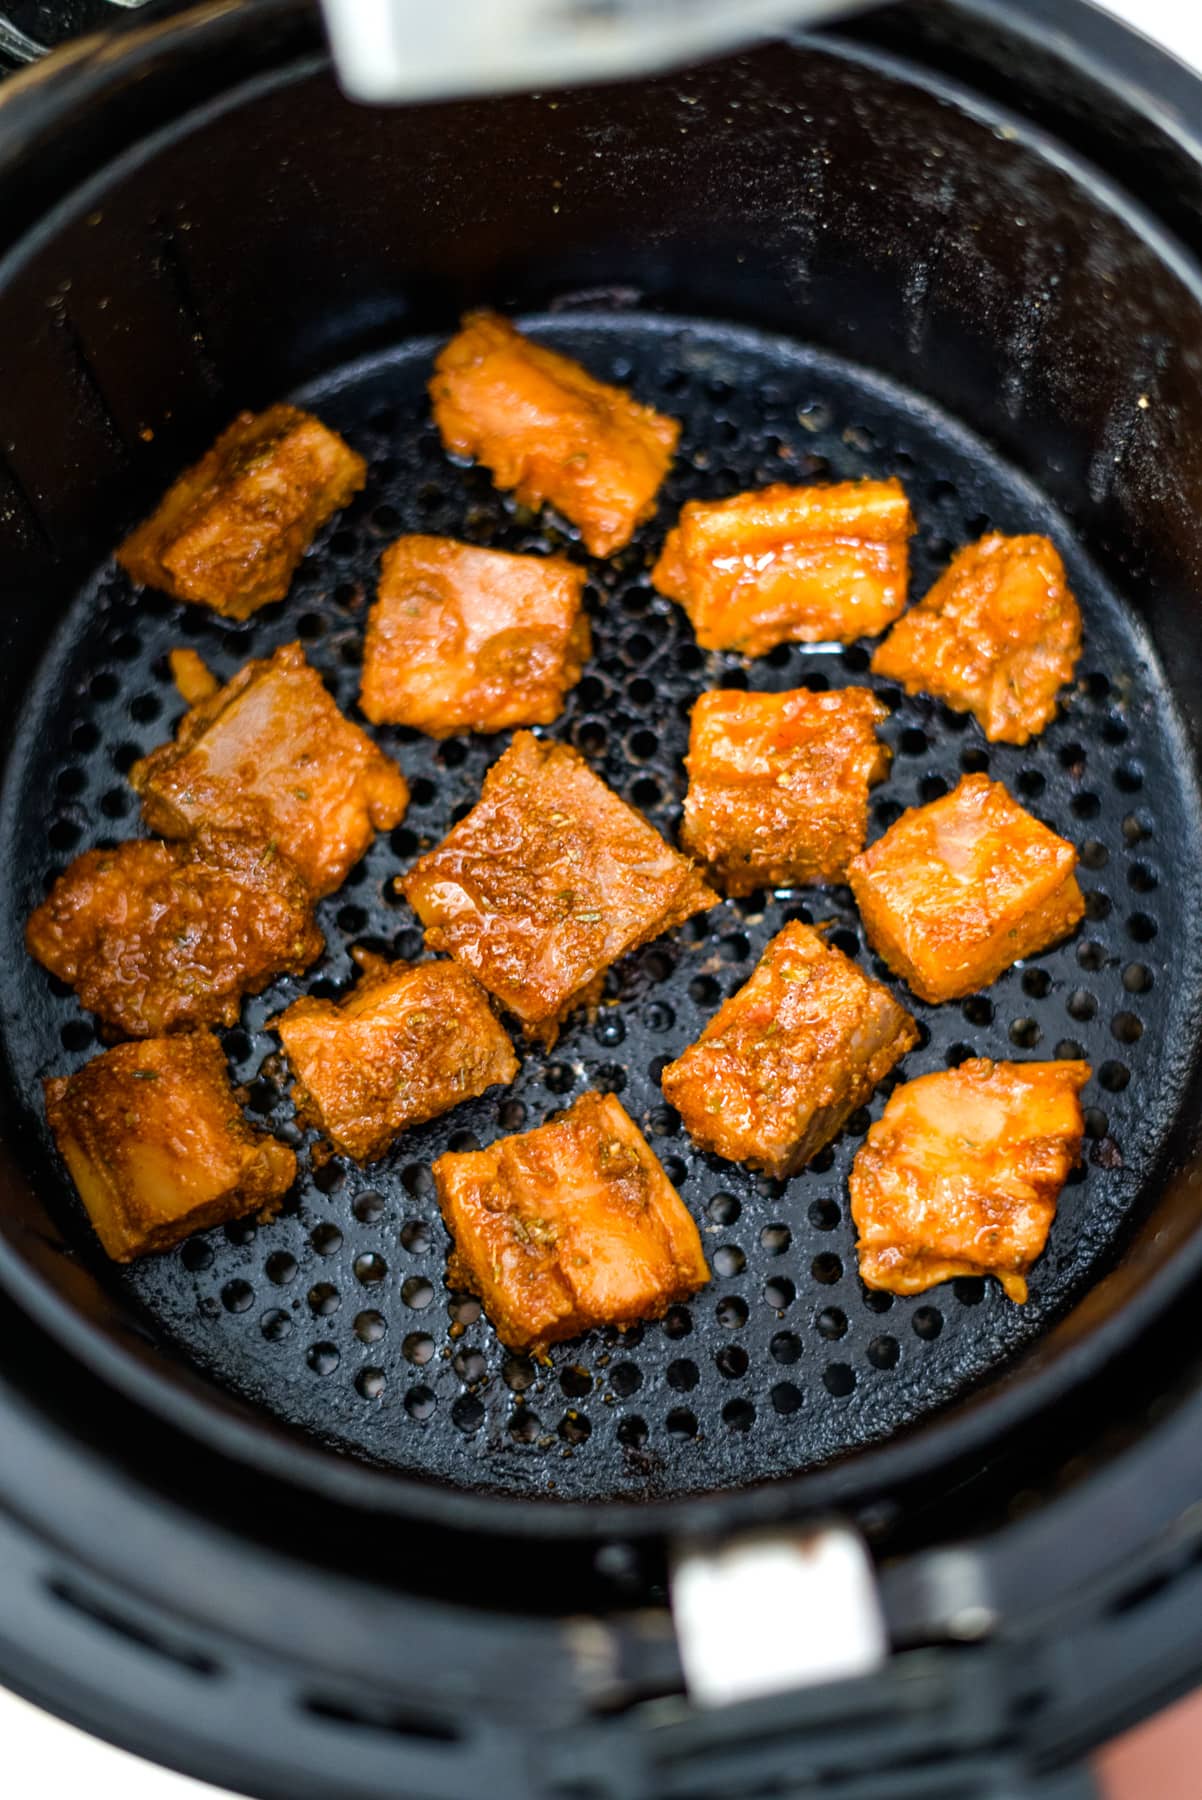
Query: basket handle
{"points": [[398, 50]]}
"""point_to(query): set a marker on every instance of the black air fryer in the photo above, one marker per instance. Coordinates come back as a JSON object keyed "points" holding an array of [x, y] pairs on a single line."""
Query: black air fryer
{"points": [[277, 1508]]}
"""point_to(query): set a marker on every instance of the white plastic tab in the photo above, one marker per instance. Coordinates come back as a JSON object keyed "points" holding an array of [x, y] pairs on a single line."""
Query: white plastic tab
{"points": [[425, 49], [775, 1611]]}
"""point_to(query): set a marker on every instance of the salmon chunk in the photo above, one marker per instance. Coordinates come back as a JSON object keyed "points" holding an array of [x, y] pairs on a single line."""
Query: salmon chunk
{"points": [[410, 1042], [546, 882], [778, 784], [272, 753], [779, 1067], [568, 1227], [462, 639], [157, 1147], [998, 636], [961, 1174], [804, 565], [958, 890], [165, 937], [231, 531], [551, 432]]}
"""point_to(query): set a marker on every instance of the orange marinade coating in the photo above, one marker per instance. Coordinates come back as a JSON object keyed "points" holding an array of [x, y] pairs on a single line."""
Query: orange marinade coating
{"points": [[231, 531], [779, 1067], [958, 890], [271, 751], [546, 428], [462, 639], [998, 636], [410, 1042], [806, 565], [157, 1147], [162, 937], [961, 1174], [568, 1227], [778, 784], [547, 881]]}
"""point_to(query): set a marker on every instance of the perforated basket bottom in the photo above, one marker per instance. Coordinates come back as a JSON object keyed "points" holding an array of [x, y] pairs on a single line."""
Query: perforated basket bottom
{"points": [[336, 1317]]}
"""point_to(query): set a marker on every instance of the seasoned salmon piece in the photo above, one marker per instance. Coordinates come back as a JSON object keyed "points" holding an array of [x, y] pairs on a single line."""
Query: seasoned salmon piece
{"points": [[410, 1042], [782, 1063], [165, 937], [803, 565], [778, 784], [231, 531], [271, 752], [998, 636], [958, 890], [961, 1174], [462, 639], [547, 881], [546, 428], [157, 1147], [568, 1227]]}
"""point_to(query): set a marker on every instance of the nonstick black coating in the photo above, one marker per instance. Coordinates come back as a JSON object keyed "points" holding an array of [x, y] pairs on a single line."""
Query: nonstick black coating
{"points": [[336, 1317]]}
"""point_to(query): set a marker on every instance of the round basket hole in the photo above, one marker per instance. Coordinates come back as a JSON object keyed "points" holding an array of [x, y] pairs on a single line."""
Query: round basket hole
{"points": [[883, 1352], [731, 1312], [683, 1375], [775, 1239], [827, 1269], [632, 1433], [575, 1380], [420, 1403], [369, 1207], [724, 1208], [518, 1373], [785, 1347], [927, 1322], [681, 1423], [839, 1379], [237, 1296], [786, 1398], [370, 1326], [323, 1359], [467, 1414], [731, 1360], [573, 1428], [779, 1293], [625, 1378], [831, 1323], [728, 1260], [324, 1299], [739, 1415]]}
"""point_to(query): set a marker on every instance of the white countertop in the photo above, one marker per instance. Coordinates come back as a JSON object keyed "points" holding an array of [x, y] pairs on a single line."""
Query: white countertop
{"points": [[59, 1761]]}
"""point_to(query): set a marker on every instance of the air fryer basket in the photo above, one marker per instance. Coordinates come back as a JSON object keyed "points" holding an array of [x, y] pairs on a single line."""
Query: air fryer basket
{"points": [[824, 259]]}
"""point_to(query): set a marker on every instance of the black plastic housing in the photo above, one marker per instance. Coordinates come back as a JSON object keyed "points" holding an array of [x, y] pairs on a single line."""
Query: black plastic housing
{"points": [[857, 191]]}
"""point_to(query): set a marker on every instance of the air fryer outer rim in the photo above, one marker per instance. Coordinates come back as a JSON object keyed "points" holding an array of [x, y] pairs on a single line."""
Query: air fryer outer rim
{"points": [[1129, 1521], [953, 1440]]}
